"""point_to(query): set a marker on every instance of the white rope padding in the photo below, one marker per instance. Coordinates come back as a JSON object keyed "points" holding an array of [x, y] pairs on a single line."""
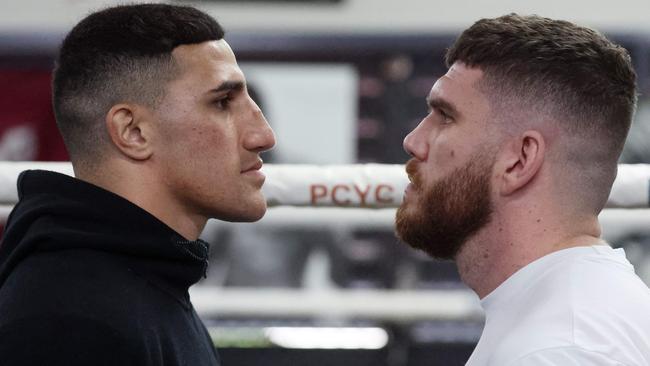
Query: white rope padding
{"points": [[355, 185], [396, 305]]}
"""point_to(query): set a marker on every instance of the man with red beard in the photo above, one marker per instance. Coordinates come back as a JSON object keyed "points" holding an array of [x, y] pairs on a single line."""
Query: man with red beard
{"points": [[510, 170]]}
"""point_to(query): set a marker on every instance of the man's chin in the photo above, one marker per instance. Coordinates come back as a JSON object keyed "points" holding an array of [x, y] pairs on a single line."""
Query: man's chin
{"points": [[253, 214], [411, 229], [247, 212], [404, 221]]}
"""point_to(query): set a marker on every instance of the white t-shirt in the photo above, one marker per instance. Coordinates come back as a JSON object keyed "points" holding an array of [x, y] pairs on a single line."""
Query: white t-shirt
{"points": [[580, 306]]}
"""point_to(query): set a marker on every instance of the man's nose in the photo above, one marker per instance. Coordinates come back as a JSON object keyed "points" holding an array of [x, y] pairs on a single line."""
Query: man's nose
{"points": [[415, 143], [261, 137]]}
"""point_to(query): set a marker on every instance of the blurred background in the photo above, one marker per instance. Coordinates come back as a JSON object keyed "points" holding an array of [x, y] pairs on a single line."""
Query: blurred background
{"points": [[340, 81]]}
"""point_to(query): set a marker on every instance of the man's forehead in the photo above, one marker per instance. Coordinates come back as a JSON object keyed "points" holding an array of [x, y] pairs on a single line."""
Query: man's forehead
{"points": [[207, 65], [459, 78], [209, 51]]}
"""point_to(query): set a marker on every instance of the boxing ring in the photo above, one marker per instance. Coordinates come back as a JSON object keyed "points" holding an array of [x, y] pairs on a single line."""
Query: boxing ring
{"points": [[354, 196]]}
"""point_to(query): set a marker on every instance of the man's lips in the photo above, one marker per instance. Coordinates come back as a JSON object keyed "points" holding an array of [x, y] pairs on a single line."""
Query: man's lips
{"points": [[253, 172], [410, 188], [253, 167], [412, 173]]}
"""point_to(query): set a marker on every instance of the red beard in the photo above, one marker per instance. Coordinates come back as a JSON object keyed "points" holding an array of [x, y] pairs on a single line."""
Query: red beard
{"points": [[443, 216]]}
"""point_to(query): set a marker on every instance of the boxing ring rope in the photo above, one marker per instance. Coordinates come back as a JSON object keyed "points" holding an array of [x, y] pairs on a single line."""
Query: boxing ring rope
{"points": [[354, 196], [394, 305], [354, 185]]}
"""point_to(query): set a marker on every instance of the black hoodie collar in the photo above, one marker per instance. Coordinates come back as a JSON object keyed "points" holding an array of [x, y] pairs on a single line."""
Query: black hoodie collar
{"points": [[58, 212]]}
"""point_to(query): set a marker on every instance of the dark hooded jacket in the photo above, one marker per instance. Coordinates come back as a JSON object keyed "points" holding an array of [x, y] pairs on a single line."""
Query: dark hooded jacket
{"points": [[89, 278]]}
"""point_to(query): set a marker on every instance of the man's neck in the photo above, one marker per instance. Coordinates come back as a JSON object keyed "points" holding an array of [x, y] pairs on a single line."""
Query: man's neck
{"points": [[500, 250], [151, 196]]}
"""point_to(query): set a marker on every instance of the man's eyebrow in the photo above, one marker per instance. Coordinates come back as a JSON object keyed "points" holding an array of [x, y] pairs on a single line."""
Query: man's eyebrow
{"points": [[441, 104], [228, 86]]}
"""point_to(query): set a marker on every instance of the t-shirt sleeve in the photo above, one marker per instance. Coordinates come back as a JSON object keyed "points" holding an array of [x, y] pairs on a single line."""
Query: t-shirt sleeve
{"points": [[63, 341], [565, 356]]}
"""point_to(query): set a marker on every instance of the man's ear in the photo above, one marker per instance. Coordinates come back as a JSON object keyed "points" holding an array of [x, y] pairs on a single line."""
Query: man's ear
{"points": [[129, 131], [520, 161]]}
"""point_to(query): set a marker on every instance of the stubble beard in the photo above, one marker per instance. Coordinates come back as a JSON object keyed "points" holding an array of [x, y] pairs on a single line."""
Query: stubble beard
{"points": [[448, 212]]}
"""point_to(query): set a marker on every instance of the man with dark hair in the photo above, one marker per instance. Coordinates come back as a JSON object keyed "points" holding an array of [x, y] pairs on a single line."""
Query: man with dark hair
{"points": [[162, 135], [510, 169]]}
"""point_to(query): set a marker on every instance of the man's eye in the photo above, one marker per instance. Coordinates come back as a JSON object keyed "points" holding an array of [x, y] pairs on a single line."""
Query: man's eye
{"points": [[443, 117], [222, 103]]}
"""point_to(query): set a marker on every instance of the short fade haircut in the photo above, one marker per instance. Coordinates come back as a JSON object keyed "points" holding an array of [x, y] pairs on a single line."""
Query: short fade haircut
{"points": [[119, 54], [556, 69]]}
